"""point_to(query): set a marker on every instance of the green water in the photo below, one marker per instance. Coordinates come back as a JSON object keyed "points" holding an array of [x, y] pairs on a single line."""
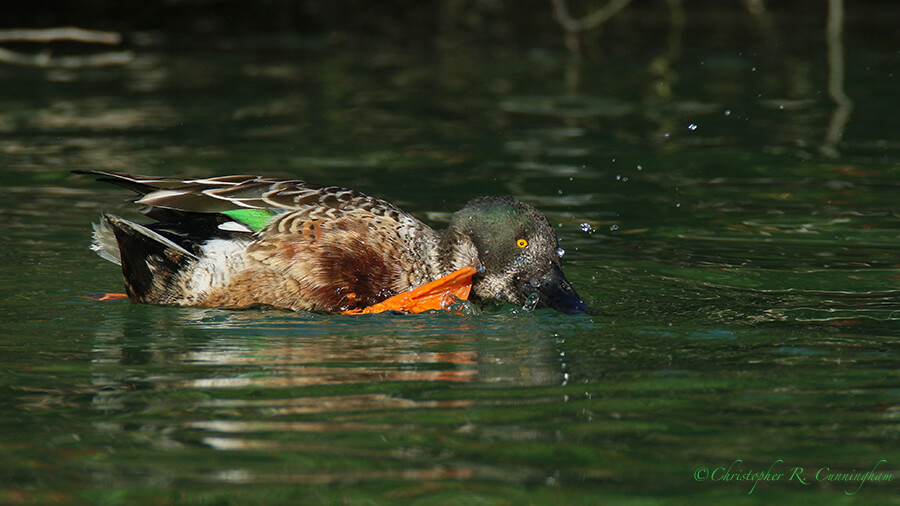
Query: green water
{"points": [[747, 269]]}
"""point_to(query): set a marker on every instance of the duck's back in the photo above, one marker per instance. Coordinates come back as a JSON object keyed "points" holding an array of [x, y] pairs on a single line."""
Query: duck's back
{"points": [[241, 241]]}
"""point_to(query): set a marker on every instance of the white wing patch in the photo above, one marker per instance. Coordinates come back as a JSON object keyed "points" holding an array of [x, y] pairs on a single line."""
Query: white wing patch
{"points": [[234, 226]]}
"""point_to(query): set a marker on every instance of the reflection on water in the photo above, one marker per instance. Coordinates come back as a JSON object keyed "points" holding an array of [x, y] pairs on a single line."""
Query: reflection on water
{"points": [[330, 351], [259, 381]]}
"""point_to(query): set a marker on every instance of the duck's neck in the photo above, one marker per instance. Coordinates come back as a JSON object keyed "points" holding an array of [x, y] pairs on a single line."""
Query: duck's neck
{"points": [[456, 250]]}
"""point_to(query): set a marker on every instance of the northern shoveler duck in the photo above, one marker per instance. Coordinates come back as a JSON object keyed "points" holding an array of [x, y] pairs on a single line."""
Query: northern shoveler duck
{"points": [[246, 241]]}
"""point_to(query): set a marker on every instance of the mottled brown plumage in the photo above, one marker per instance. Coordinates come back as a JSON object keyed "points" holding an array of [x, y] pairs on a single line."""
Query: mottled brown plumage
{"points": [[244, 241]]}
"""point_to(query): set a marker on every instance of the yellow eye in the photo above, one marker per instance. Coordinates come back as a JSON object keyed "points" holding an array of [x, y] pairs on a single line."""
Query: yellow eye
{"points": [[521, 243]]}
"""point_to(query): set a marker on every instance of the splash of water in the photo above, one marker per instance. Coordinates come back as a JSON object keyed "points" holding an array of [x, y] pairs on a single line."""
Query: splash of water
{"points": [[531, 302]]}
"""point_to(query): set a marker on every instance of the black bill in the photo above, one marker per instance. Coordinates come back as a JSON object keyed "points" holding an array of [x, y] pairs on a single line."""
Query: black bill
{"points": [[556, 292]]}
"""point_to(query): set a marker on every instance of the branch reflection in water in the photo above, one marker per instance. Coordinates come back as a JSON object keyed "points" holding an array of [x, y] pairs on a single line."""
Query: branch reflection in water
{"points": [[844, 106]]}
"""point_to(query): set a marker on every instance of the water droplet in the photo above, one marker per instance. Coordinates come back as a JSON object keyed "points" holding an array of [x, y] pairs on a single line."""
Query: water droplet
{"points": [[531, 302], [586, 227], [678, 204], [753, 69], [666, 135], [727, 112], [571, 179], [692, 127], [559, 192], [640, 168], [463, 307], [560, 252], [613, 228]]}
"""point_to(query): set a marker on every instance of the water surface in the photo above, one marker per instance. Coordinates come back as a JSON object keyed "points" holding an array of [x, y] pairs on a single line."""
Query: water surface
{"points": [[744, 259]]}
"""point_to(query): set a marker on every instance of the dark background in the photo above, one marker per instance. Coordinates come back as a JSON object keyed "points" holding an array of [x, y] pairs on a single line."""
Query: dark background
{"points": [[529, 21]]}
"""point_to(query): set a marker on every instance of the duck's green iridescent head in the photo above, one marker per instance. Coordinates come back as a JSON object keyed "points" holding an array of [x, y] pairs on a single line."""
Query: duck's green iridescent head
{"points": [[517, 248]]}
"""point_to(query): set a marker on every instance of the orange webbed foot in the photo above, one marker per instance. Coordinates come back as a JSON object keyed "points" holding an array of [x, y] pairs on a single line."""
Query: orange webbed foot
{"points": [[439, 294], [108, 296]]}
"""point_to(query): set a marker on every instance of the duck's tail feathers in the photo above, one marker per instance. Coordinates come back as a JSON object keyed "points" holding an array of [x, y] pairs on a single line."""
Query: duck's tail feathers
{"points": [[104, 243], [134, 182], [150, 262]]}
